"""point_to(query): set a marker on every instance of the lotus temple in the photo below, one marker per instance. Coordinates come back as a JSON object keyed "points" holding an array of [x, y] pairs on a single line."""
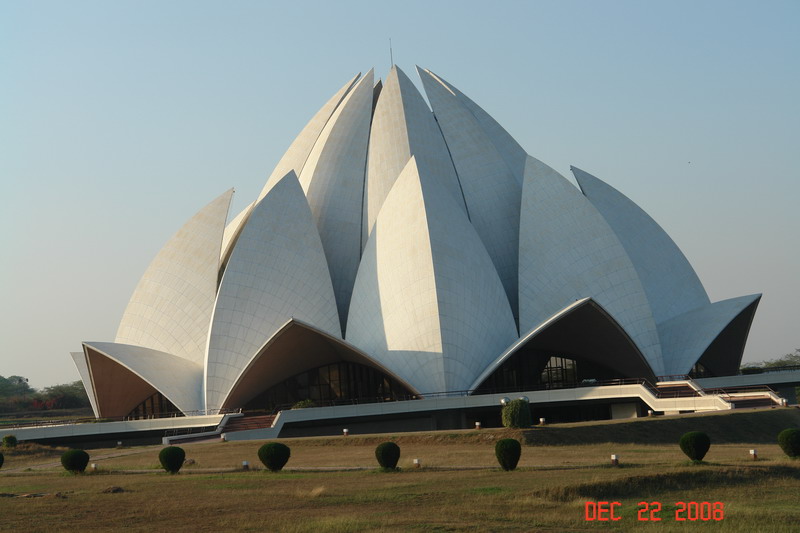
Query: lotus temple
{"points": [[410, 266]]}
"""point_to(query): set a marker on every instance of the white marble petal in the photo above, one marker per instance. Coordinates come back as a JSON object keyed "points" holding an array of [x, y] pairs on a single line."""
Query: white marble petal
{"points": [[174, 377], [491, 191], [402, 126], [79, 358], [506, 145], [333, 181], [277, 271], [428, 303], [295, 157], [684, 338], [568, 252], [171, 307], [232, 231], [670, 282]]}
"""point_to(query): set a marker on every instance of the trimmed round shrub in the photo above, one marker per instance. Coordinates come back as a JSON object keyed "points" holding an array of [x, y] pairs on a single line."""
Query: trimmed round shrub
{"points": [[75, 460], [789, 441], [171, 458], [9, 441], [695, 445], [1, 460], [274, 455], [508, 452], [387, 454], [517, 414]]}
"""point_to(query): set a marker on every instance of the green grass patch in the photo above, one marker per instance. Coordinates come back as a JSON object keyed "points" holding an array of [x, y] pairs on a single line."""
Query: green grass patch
{"points": [[648, 485], [487, 490]]}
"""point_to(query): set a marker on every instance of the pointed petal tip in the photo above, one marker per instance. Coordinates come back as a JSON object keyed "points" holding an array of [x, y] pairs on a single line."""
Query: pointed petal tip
{"points": [[399, 70], [752, 297], [353, 80], [291, 173]]}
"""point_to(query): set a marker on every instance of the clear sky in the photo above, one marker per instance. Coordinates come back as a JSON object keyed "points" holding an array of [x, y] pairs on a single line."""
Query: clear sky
{"points": [[119, 120]]}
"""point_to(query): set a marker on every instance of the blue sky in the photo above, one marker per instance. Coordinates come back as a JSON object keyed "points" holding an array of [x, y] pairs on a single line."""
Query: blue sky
{"points": [[119, 120]]}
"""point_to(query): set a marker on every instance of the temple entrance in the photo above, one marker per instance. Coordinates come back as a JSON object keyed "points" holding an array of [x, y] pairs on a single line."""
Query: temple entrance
{"points": [[344, 382], [582, 346], [536, 370], [155, 406]]}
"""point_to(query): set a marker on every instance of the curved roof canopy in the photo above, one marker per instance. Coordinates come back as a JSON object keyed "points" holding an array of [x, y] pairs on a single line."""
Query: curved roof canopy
{"points": [[123, 376], [584, 330], [277, 360], [717, 331]]}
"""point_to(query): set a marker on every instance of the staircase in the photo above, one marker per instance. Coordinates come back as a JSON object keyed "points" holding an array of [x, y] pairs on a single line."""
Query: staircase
{"points": [[686, 390], [249, 422], [744, 397], [676, 390], [742, 402], [231, 423]]}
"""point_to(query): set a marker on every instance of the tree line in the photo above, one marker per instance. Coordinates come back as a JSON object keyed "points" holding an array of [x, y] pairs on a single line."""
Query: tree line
{"points": [[17, 395], [790, 359]]}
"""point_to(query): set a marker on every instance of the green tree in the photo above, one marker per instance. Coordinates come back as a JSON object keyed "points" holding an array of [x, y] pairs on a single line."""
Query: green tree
{"points": [[789, 359], [66, 396], [17, 395], [14, 386]]}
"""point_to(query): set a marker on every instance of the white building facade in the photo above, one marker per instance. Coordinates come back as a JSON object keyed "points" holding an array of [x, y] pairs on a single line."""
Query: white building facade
{"points": [[399, 251]]}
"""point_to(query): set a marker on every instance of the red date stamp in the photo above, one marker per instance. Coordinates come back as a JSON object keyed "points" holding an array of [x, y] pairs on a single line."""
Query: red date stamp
{"points": [[608, 511]]}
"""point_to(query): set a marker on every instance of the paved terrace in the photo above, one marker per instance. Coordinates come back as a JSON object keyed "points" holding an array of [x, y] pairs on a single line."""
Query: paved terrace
{"points": [[622, 393]]}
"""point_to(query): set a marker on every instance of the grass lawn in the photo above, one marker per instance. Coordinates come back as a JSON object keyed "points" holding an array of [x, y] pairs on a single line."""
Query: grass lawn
{"points": [[330, 485]]}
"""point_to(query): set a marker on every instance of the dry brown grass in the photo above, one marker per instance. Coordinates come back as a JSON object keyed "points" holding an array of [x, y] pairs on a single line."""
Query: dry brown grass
{"points": [[27, 454], [460, 488]]}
